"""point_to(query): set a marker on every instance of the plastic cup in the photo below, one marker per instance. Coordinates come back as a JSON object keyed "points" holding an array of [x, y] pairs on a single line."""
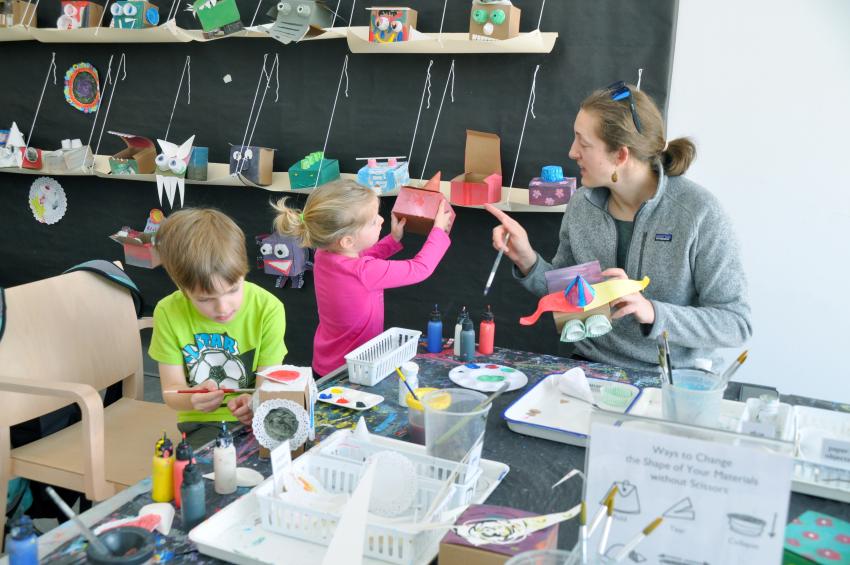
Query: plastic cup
{"points": [[416, 415], [454, 424], [693, 398]]}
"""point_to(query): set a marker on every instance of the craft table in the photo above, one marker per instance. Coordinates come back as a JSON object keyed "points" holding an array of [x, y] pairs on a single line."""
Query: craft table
{"points": [[535, 463]]}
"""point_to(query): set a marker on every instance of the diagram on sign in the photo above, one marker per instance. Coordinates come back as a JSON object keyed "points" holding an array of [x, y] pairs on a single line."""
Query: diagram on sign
{"points": [[664, 559], [682, 510], [746, 525], [626, 501], [614, 550]]}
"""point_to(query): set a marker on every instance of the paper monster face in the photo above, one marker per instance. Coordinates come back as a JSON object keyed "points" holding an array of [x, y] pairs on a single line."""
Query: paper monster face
{"points": [[491, 21], [171, 167], [217, 15], [133, 14], [390, 25], [294, 18], [283, 256]]}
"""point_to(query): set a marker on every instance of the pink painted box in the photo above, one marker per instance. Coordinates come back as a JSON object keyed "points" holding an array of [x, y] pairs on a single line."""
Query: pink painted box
{"points": [[481, 182], [552, 188]]}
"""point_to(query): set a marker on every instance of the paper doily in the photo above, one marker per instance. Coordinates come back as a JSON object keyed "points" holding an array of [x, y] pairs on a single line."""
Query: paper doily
{"points": [[487, 377], [278, 420], [398, 484], [47, 200]]}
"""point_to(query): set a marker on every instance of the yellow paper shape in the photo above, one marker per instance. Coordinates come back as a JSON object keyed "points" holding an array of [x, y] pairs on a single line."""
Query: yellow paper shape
{"points": [[609, 290]]}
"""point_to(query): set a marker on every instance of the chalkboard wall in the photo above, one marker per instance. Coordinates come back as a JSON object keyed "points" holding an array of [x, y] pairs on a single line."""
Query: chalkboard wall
{"points": [[599, 42]]}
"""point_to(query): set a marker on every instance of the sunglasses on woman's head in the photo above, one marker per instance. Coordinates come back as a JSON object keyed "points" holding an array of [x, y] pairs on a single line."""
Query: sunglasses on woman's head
{"points": [[619, 91]]}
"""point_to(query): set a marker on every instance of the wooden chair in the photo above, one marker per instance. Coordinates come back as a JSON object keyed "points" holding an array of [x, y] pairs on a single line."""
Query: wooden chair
{"points": [[66, 339]]}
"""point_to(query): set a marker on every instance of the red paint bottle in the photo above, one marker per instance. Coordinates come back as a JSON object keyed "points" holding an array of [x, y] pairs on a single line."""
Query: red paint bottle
{"points": [[486, 333], [183, 457]]}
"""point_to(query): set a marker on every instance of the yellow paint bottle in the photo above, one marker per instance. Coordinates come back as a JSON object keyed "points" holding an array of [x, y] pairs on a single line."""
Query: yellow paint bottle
{"points": [[162, 473]]}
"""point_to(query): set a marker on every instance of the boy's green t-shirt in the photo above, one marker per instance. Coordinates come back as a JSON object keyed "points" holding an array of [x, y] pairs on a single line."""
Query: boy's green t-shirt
{"points": [[229, 353]]}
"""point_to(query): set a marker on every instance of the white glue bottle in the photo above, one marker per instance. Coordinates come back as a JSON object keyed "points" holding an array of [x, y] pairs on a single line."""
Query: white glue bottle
{"points": [[224, 462], [459, 328], [410, 370]]}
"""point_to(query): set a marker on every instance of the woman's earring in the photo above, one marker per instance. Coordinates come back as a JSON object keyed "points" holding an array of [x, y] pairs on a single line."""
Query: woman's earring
{"points": [[614, 176]]}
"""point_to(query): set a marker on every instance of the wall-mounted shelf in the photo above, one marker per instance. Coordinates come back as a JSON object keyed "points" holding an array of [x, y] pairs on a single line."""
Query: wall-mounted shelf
{"points": [[530, 42], [218, 174]]}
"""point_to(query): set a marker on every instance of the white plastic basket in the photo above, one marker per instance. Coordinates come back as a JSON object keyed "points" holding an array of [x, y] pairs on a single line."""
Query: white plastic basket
{"points": [[385, 541], [376, 359]]}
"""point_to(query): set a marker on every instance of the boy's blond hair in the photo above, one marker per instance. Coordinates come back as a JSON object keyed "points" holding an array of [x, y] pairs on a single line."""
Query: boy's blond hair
{"points": [[332, 211], [198, 246]]}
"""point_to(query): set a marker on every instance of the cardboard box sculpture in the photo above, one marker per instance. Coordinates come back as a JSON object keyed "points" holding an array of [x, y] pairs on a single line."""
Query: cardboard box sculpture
{"points": [[17, 12], [551, 188], [79, 14], [297, 19], [252, 162], [286, 382], [481, 182], [137, 159], [493, 21], [383, 174], [31, 158], [488, 535], [303, 174], [139, 247], [282, 256], [391, 25], [133, 14], [218, 18], [419, 206]]}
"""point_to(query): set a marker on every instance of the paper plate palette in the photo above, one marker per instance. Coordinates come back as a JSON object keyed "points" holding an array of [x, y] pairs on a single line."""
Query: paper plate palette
{"points": [[487, 377], [350, 398], [545, 412]]}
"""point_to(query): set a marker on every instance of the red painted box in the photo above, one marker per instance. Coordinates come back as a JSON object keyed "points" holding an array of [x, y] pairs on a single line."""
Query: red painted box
{"points": [[481, 181], [419, 206], [139, 249]]}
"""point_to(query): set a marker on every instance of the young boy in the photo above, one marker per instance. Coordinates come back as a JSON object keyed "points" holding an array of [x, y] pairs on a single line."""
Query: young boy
{"points": [[217, 330]]}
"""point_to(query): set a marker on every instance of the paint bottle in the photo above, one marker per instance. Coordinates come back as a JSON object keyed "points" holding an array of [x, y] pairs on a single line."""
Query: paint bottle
{"points": [[459, 328], [182, 458], [224, 462], [194, 497], [467, 341], [486, 332], [410, 370], [163, 470], [22, 543], [435, 331]]}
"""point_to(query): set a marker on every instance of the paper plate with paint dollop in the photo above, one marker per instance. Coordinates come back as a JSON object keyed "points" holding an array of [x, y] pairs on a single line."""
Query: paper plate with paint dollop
{"points": [[487, 377]]}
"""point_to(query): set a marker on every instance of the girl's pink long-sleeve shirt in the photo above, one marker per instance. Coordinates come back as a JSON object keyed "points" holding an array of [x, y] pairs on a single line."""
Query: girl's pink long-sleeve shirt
{"points": [[350, 293]]}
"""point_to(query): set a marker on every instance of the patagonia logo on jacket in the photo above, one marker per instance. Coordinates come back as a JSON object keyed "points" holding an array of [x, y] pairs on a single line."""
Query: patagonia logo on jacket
{"points": [[664, 237]]}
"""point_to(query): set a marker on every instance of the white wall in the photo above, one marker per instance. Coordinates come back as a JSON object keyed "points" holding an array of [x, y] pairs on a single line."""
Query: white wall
{"points": [[763, 86]]}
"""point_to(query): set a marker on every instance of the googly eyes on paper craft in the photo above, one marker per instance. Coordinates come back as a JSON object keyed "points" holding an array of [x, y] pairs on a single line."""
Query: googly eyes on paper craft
{"points": [[266, 249], [281, 251], [497, 17], [397, 26], [479, 16], [284, 8], [303, 10]]}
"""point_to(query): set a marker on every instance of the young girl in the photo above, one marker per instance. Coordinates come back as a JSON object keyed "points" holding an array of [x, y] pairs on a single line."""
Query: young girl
{"points": [[341, 220]]}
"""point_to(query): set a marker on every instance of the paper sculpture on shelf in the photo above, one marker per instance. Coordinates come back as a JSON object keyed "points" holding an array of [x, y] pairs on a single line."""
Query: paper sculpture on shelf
{"points": [[47, 200], [136, 159], [253, 163], [133, 14], [79, 14], [198, 163], [31, 158], [551, 188], [139, 249], [588, 320], [171, 167], [419, 206], [286, 395], [283, 256], [391, 25], [218, 17], [383, 174], [73, 156], [481, 181], [82, 87], [17, 12], [303, 174], [492, 20], [297, 19], [10, 151]]}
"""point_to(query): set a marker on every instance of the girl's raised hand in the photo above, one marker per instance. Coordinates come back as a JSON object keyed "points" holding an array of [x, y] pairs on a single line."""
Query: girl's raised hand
{"points": [[518, 249], [397, 227], [443, 219]]}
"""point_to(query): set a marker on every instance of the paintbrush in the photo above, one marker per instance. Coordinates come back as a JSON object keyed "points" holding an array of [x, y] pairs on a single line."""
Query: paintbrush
{"points": [[603, 543], [89, 535], [668, 360], [736, 364], [401, 376], [462, 422], [582, 531], [635, 541], [496, 265], [224, 390], [597, 519]]}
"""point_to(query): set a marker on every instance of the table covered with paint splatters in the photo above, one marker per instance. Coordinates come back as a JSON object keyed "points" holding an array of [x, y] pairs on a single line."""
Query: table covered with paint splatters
{"points": [[535, 463]]}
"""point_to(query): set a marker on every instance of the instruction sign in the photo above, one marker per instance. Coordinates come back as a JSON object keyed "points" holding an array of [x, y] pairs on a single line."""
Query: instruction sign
{"points": [[720, 502]]}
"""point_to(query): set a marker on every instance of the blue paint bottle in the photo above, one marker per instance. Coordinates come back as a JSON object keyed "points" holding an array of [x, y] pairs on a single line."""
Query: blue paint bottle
{"points": [[193, 496], [467, 341], [435, 332], [22, 543]]}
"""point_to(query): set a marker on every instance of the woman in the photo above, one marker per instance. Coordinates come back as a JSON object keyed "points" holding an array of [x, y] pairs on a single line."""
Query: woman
{"points": [[639, 216]]}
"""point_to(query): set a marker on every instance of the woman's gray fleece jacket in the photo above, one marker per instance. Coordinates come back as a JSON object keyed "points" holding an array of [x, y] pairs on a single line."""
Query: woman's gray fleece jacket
{"points": [[684, 243]]}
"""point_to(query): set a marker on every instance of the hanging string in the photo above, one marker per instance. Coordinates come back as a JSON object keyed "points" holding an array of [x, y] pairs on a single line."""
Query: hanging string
{"points": [[122, 64], [50, 67], [449, 78], [275, 68], [172, 10], [102, 13], [186, 66], [529, 108], [106, 81], [256, 11], [351, 15], [540, 19], [336, 13], [32, 14], [640, 77], [343, 73], [427, 88], [245, 137], [442, 19]]}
